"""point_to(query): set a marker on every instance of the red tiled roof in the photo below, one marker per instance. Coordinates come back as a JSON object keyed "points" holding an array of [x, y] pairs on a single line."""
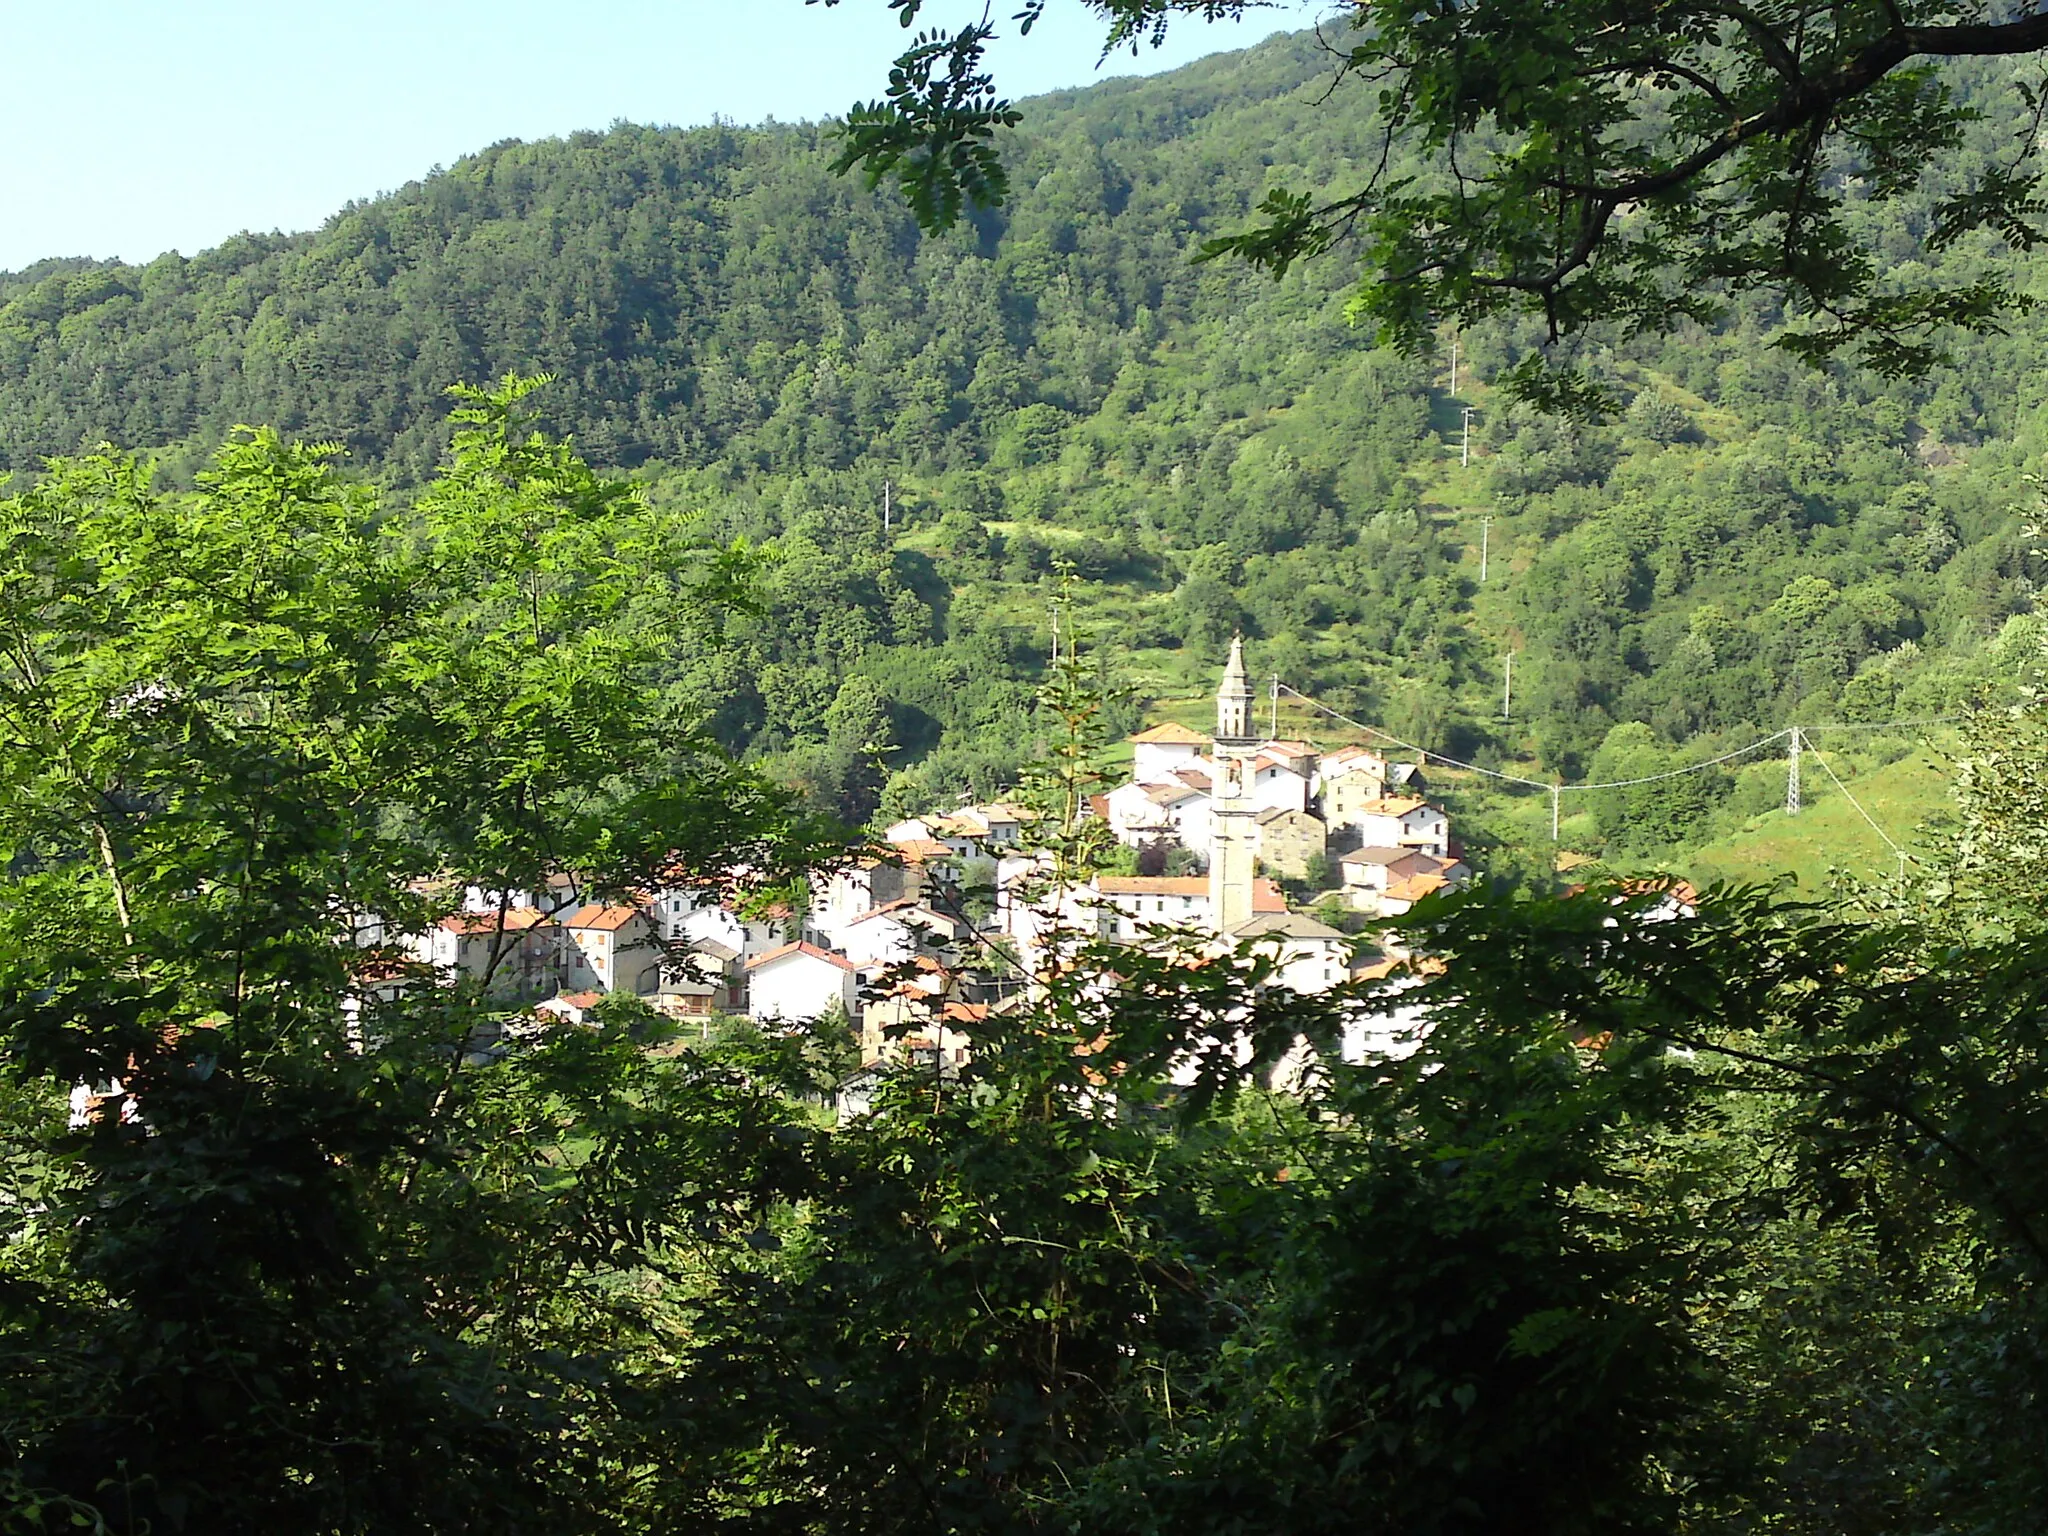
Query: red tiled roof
{"points": [[1680, 891], [1266, 896], [812, 950], [1392, 805], [905, 905], [517, 920], [605, 919], [576, 1000], [1170, 735], [1152, 885], [1415, 887], [378, 966]]}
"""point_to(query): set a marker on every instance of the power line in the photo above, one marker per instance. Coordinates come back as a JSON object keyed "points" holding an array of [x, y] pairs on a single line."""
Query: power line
{"points": [[1679, 773], [1651, 778], [1409, 746], [1880, 831], [1884, 725]]}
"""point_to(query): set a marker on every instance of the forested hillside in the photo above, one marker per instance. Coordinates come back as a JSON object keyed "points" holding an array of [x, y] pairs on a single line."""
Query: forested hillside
{"points": [[1749, 544]]}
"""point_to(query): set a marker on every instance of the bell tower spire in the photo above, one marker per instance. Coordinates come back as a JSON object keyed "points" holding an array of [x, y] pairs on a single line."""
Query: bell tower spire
{"points": [[1232, 828], [1234, 697]]}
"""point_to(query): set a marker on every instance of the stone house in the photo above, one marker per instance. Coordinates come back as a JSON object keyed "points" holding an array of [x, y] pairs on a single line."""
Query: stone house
{"points": [[1288, 840], [525, 944], [612, 949]]}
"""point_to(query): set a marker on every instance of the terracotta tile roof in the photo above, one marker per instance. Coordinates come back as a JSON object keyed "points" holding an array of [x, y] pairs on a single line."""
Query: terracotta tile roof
{"points": [[577, 1000], [786, 950], [1171, 794], [965, 1013], [1288, 748], [601, 918], [375, 966], [1392, 805], [1194, 778], [1680, 891], [1099, 804], [908, 908], [1379, 970], [1152, 885], [517, 920], [1171, 734], [926, 976], [1415, 887], [1266, 896]]}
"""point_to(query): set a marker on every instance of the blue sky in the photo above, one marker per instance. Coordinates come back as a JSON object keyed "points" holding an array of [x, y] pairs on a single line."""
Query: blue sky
{"points": [[138, 126]]}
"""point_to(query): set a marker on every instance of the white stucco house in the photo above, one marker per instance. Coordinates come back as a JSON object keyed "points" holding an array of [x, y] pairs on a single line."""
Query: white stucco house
{"points": [[1156, 753], [1402, 821], [519, 950], [800, 982], [1278, 785], [897, 932], [611, 949], [1311, 957]]}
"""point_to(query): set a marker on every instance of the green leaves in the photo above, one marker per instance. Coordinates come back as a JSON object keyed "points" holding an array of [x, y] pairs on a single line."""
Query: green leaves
{"points": [[933, 132], [1585, 167], [244, 733]]}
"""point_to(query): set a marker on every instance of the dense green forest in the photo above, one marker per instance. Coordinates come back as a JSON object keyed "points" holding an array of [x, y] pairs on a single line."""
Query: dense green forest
{"points": [[766, 347], [1635, 1211], [1718, 1225]]}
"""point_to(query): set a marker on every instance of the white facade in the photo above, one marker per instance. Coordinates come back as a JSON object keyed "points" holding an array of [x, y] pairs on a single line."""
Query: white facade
{"points": [[800, 982], [612, 949], [1311, 957], [893, 935], [1135, 817], [1277, 787], [1156, 753], [1403, 823]]}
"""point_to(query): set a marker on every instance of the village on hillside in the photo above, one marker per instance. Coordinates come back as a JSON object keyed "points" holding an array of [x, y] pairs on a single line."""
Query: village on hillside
{"points": [[957, 913]]}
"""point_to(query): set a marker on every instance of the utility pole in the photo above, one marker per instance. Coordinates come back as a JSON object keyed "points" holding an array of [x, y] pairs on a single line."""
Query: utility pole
{"points": [[1485, 537], [887, 506], [1274, 733], [1792, 776], [1553, 812], [1465, 415], [1507, 686]]}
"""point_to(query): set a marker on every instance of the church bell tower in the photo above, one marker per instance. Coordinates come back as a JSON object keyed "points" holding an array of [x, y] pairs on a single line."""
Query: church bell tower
{"points": [[1232, 829]]}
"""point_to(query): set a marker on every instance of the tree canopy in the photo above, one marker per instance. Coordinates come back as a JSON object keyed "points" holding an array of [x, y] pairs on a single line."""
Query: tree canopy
{"points": [[1600, 164]]}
